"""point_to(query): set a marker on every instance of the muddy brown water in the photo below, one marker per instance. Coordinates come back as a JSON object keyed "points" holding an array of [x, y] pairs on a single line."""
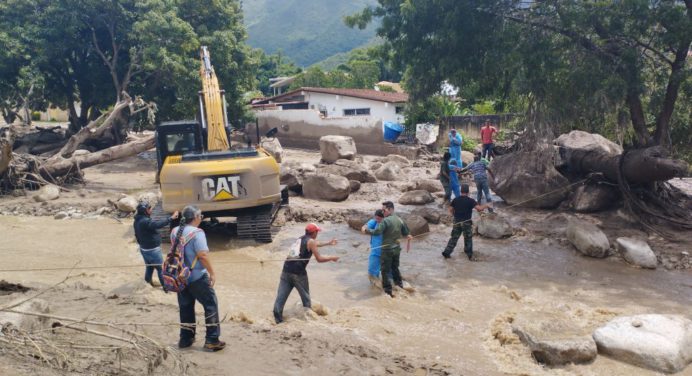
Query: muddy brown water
{"points": [[448, 321]]}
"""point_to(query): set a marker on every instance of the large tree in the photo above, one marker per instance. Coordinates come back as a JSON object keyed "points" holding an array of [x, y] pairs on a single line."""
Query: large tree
{"points": [[584, 60], [91, 51]]}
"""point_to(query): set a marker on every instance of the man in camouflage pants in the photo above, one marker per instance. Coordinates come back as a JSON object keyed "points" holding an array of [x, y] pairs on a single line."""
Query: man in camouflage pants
{"points": [[462, 208]]}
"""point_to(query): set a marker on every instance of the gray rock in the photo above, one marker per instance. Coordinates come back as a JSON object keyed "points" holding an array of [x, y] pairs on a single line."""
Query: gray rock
{"points": [[418, 197], [326, 187], [553, 338], [529, 177], [355, 185], [291, 178], [77, 216], [466, 157], [390, 171], [580, 140], [301, 167], [659, 342], [494, 226], [127, 204], [431, 215], [350, 172], [417, 225], [356, 221], [375, 166], [61, 215], [104, 210], [150, 197], [637, 252], [587, 238], [398, 159], [333, 148], [429, 185], [47, 193], [592, 198], [273, 147]]}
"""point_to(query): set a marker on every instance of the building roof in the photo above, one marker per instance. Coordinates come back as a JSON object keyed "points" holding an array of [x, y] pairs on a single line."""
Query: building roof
{"points": [[356, 93]]}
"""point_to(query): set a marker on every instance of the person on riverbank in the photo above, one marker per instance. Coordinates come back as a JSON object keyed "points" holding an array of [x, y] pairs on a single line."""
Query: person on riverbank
{"points": [[201, 281], [444, 177], [392, 228], [149, 240], [294, 273], [461, 209], [487, 133], [455, 142], [375, 247]]}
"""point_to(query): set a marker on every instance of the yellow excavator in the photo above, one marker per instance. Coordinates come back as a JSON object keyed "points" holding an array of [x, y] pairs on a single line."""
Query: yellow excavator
{"points": [[198, 165]]}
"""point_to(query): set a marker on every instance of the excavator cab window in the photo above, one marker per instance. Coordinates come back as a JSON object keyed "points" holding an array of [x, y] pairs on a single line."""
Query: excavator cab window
{"points": [[177, 138]]}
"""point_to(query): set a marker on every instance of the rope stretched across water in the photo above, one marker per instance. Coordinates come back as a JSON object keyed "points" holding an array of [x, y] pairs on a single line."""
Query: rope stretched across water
{"points": [[261, 262]]}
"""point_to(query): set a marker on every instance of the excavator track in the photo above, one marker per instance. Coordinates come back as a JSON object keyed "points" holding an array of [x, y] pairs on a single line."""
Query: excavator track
{"points": [[158, 214], [258, 225]]}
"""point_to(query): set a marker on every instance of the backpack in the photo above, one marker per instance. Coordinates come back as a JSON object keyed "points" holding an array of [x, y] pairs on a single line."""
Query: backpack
{"points": [[175, 272]]}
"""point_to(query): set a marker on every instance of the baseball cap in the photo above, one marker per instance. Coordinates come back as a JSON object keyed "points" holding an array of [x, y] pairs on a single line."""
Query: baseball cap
{"points": [[312, 228]]}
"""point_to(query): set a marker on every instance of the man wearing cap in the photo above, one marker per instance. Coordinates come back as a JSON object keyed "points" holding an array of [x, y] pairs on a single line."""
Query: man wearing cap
{"points": [[149, 240], [294, 274], [455, 142], [392, 228], [462, 209]]}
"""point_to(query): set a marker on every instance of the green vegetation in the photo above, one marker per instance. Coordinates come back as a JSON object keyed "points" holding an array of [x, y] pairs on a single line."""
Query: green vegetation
{"points": [[271, 66], [306, 31], [618, 68], [90, 51]]}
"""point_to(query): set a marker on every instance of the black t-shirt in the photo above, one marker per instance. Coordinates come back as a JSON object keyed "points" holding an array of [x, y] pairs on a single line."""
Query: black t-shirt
{"points": [[298, 267], [463, 208]]}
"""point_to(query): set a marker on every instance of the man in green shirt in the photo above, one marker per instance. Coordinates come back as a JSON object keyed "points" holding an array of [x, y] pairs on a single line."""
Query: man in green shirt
{"points": [[392, 228]]}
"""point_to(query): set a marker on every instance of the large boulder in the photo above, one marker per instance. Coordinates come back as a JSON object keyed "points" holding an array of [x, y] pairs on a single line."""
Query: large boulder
{"points": [[357, 221], [494, 226], [390, 171], [429, 185], [637, 252], [273, 147], [127, 204], [291, 178], [326, 187], [553, 338], [418, 197], [662, 343], [398, 159], [333, 148], [466, 157], [47, 193], [417, 225], [355, 185], [587, 238], [592, 198], [529, 177], [301, 167], [349, 172], [580, 140], [431, 215]]}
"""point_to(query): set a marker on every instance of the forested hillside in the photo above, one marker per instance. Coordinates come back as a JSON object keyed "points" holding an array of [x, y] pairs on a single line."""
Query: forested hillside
{"points": [[307, 31]]}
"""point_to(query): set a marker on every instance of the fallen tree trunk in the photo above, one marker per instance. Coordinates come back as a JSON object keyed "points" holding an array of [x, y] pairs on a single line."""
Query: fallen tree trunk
{"points": [[638, 166], [63, 166], [5, 156]]}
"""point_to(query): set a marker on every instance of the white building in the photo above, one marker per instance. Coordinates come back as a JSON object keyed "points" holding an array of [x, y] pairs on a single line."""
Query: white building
{"points": [[340, 103], [302, 116]]}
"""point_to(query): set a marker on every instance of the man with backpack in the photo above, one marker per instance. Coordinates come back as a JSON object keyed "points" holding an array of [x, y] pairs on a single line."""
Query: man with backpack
{"points": [[294, 273], [199, 285], [149, 240]]}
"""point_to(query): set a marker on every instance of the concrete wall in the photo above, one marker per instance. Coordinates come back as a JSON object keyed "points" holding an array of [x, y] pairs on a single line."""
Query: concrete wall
{"points": [[336, 104], [303, 129], [470, 126]]}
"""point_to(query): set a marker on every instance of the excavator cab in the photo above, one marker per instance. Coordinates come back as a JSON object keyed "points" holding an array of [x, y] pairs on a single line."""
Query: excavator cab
{"points": [[177, 138]]}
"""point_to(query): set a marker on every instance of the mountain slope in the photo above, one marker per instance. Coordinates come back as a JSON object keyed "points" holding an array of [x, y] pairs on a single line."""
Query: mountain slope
{"points": [[307, 31]]}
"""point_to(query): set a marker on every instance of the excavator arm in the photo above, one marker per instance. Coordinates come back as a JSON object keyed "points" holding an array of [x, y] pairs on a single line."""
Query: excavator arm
{"points": [[212, 106]]}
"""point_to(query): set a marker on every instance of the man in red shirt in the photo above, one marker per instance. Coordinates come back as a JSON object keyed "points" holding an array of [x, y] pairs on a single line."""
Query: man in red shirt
{"points": [[487, 132]]}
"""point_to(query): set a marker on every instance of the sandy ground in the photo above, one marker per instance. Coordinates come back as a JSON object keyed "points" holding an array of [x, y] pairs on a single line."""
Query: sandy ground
{"points": [[456, 322]]}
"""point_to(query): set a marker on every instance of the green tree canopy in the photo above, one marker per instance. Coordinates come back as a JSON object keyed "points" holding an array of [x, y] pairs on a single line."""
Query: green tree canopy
{"points": [[585, 61], [89, 51]]}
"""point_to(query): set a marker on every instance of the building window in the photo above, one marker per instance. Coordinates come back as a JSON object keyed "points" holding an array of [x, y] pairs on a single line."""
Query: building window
{"points": [[399, 109], [356, 111]]}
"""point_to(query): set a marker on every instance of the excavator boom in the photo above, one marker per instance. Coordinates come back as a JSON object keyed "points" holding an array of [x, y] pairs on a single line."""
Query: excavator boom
{"points": [[213, 106]]}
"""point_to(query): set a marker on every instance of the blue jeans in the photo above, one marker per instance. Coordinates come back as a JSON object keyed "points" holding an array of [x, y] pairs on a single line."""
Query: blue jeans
{"points": [[201, 291], [153, 259], [488, 150], [286, 284], [482, 188], [374, 264]]}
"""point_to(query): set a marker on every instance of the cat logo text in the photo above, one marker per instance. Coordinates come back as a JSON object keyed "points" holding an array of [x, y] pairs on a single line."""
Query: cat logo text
{"points": [[220, 188]]}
